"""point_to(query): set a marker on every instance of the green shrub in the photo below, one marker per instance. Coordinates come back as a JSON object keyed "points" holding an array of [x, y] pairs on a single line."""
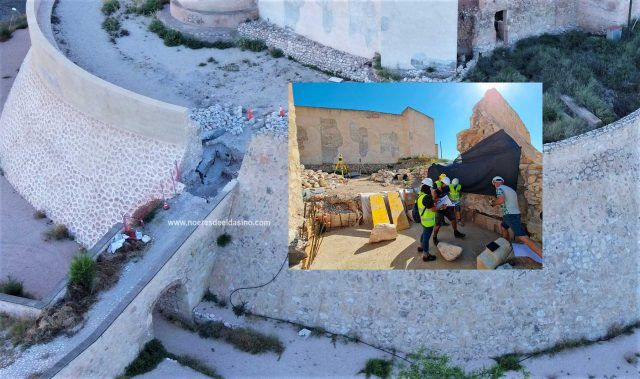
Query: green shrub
{"points": [[82, 272], [149, 358], [244, 339], [111, 25], [377, 367], [601, 75], [276, 53], [254, 45], [172, 38], [239, 309], [157, 27], [223, 240], [427, 366], [148, 7], [110, 6], [509, 362], [13, 287], [552, 108], [196, 365], [58, 232]]}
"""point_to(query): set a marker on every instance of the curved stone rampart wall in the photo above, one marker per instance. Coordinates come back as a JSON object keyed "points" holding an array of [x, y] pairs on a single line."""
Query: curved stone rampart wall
{"points": [[589, 282], [80, 148]]}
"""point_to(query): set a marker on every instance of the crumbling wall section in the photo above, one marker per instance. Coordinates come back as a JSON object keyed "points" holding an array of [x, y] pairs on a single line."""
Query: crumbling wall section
{"points": [[490, 115], [521, 19]]}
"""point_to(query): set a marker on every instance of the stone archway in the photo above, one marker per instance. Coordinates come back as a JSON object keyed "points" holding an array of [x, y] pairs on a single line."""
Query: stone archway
{"points": [[173, 303]]}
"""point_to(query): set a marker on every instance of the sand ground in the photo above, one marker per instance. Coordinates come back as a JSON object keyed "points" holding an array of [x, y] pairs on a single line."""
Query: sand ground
{"points": [[173, 74], [12, 53], [349, 249], [24, 255]]}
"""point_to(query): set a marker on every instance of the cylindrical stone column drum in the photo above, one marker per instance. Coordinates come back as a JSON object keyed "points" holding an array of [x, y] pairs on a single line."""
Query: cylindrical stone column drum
{"points": [[214, 13]]}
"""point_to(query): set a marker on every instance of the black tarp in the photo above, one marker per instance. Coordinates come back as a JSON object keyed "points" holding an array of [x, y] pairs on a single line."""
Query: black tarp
{"points": [[495, 155]]}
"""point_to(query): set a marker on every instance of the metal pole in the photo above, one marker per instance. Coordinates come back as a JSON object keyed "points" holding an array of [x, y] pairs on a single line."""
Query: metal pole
{"points": [[629, 18]]}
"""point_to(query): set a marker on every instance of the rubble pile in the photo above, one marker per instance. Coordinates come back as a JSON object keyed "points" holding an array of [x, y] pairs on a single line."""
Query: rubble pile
{"points": [[277, 125], [387, 176], [320, 179], [218, 117]]}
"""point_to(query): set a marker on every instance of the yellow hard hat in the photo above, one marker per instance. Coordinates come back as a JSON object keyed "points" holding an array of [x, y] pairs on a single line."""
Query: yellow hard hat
{"points": [[443, 175]]}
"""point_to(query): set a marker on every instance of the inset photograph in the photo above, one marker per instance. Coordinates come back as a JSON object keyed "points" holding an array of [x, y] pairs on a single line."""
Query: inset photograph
{"points": [[416, 176]]}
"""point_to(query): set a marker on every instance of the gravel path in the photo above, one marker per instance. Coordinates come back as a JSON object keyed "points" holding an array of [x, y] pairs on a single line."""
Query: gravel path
{"points": [[142, 63]]}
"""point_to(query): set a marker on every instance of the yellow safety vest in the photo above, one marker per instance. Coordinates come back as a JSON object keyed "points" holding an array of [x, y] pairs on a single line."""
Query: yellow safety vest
{"points": [[438, 184], [427, 217], [454, 192]]}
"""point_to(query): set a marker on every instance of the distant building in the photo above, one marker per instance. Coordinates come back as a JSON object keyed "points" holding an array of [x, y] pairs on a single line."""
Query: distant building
{"points": [[363, 136]]}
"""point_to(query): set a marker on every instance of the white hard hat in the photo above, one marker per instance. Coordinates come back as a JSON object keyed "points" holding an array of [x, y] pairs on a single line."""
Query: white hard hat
{"points": [[428, 182], [446, 181], [497, 179], [455, 181]]}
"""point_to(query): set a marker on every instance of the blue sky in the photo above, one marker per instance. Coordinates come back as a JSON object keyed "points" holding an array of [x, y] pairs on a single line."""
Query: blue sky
{"points": [[449, 104]]}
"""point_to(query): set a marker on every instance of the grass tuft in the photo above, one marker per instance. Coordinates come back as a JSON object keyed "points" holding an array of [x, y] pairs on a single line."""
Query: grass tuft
{"points": [[58, 232], [244, 339], [377, 367], [14, 287], [223, 240], [255, 45], [109, 7], [82, 272]]}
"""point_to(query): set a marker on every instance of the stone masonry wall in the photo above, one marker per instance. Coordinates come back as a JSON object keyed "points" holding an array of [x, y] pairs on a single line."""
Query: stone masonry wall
{"points": [[589, 282], [84, 173], [308, 52]]}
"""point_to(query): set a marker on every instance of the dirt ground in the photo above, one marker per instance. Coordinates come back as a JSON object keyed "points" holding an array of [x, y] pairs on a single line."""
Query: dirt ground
{"points": [[12, 53], [24, 254], [302, 357], [142, 63], [349, 249]]}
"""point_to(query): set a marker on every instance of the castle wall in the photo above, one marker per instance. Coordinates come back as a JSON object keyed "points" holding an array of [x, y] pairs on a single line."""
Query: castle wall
{"points": [[407, 34], [596, 15], [361, 136], [575, 295], [522, 18], [80, 148]]}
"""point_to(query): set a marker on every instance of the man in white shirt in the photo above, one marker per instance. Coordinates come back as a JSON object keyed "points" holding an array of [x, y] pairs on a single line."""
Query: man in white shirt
{"points": [[507, 199]]}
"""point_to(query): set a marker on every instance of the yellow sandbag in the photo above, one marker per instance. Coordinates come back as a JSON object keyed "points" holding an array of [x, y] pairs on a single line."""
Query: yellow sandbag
{"points": [[379, 213]]}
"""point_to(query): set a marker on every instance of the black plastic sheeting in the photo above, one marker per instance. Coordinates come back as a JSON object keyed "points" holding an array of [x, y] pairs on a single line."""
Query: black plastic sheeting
{"points": [[496, 155]]}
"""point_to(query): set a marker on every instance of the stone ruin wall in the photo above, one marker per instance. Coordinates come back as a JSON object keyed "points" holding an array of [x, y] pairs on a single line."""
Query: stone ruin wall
{"points": [[574, 296], [362, 136], [491, 114], [82, 172], [526, 18]]}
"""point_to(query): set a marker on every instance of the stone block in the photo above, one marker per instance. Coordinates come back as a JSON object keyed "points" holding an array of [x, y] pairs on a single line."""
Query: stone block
{"points": [[448, 251], [383, 232], [489, 260]]}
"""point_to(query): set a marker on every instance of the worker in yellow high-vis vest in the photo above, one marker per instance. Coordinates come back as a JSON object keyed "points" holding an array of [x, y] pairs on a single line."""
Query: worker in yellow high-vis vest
{"points": [[454, 195], [427, 211]]}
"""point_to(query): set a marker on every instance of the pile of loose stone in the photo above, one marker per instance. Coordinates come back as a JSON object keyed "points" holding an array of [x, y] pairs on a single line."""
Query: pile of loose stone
{"points": [[276, 125], [320, 179], [219, 119], [308, 52], [452, 76], [387, 176]]}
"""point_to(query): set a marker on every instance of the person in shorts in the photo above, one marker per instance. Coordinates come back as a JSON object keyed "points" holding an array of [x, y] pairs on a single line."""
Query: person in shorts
{"points": [[507, 199], [444, 212]]}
